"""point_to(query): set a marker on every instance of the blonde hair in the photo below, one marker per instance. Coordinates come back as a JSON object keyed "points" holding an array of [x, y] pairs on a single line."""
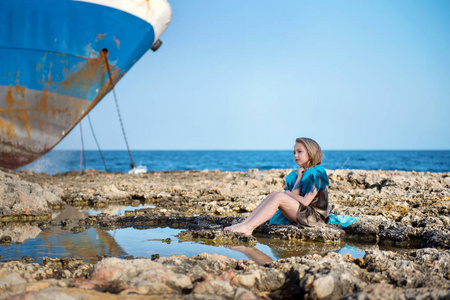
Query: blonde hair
{"points": [[314, 151]]}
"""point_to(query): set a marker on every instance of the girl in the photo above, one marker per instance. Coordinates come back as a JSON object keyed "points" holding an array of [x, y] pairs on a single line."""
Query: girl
{"points": [[305, 199]]}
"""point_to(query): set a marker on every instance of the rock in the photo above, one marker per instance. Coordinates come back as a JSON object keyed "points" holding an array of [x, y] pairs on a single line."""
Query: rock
{"points": [[9, 279], [77, 229], [5, 240], [63, 263], [291, 232], [384, 291], [140, 272], [27, 259], [365, 230], [218, 236], [210, 286], [243, 294], [21, 201], [323, 286], [383, 275], [399, 236], [112, 193], [410, 271], [439, 238]]}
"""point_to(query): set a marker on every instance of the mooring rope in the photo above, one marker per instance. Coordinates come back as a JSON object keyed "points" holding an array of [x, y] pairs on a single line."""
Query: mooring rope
{"points": [[105, 54], [98, 145]]}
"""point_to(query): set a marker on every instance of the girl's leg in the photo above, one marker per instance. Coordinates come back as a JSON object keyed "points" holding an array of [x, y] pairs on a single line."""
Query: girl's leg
{"points": [[266, 210], [255, 211]]}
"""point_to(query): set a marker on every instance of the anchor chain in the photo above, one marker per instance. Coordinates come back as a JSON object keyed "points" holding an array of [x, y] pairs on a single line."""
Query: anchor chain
{"points": [[98, 145], [105, 54]]}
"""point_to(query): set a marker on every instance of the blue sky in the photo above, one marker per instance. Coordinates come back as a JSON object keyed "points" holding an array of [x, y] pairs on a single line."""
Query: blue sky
{"points": [[257, 74]]}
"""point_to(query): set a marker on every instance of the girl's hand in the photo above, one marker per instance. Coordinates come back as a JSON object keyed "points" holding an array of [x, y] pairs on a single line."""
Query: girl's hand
{"points": [[300, 171]]}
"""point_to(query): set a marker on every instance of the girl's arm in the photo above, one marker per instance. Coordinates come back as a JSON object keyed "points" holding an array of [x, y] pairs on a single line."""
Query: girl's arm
{"points": [[305, 200], [296, 191], [300, 172]]}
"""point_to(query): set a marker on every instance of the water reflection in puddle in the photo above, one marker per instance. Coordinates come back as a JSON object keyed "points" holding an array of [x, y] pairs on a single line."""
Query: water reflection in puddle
{"points": [[93, 242], [116, 209], [56, 243], [165, 242], [30, 240]]}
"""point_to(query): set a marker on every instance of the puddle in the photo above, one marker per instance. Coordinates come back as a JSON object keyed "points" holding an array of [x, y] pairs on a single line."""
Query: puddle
{"points": [[165, 242], [30, 240], [56, 242], [93, 242], [352, 251]]}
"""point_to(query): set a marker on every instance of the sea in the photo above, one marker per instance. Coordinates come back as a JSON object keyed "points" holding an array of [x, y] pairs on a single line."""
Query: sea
{"points": [[60, 161]]}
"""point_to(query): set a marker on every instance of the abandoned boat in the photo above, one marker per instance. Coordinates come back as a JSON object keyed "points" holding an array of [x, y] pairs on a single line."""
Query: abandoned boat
{"points": [[59, 58]]}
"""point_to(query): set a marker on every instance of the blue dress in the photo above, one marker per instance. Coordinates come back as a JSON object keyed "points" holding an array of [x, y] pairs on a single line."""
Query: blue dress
{"points": [[318, 210]]}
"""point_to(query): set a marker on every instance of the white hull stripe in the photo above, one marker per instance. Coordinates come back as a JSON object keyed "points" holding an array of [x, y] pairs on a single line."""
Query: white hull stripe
{"points": [[156, 12]]}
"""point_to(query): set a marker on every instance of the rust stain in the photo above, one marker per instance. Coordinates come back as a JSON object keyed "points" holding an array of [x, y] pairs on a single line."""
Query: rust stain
{"points": [[50, 80], [107, 86], [17, 107], [55, 111], [42, 105], [10, 129], [9, 96], [39, 67], [9, 126], [85, 76], [100, 36], [24, 117], [9, 110], [92, 68], [32, 112]]}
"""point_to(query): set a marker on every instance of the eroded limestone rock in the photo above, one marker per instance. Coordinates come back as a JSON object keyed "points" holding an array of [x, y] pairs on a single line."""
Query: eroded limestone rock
{"points": [[24, 201], [422, 273]]}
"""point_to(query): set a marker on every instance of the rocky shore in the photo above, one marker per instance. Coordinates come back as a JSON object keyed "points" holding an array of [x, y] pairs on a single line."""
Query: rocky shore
{"points": [[406, 210]]}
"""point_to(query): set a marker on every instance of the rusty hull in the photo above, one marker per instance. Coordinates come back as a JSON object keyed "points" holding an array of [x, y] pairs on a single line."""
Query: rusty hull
{"points": [[32, 122]]}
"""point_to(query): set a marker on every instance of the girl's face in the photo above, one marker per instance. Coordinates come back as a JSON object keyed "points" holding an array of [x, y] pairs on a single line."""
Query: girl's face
{"points": [[301, 155]]}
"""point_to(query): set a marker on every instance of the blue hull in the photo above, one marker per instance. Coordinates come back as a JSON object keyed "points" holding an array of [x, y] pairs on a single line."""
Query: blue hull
{"points": [[53, 71]]}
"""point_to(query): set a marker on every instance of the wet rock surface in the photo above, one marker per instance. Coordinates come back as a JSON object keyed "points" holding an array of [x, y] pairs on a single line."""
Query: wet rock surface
{"points": [[399, 209]]}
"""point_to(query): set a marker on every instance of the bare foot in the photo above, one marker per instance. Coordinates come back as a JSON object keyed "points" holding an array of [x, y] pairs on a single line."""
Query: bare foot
{"points": [[230, 228], [240, 228]]}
